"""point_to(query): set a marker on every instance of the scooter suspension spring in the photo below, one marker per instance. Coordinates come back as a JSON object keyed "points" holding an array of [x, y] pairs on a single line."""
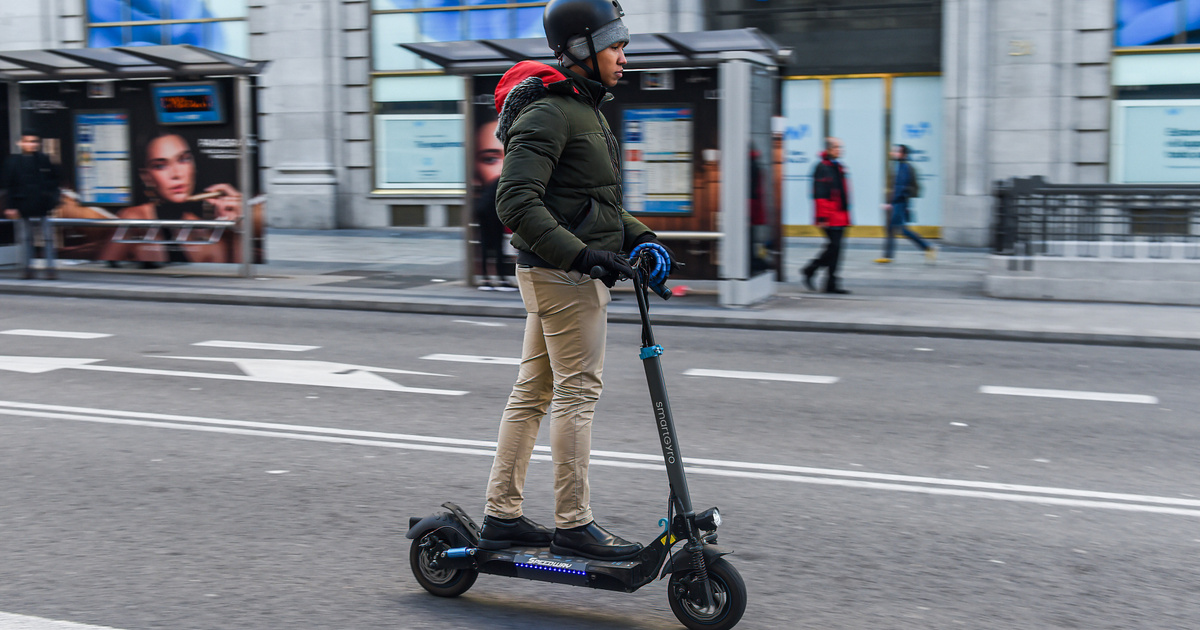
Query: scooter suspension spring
{"points": [[699, 566]]}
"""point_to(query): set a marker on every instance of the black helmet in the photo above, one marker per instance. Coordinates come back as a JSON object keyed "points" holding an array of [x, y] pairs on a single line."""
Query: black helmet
{"points": [[564, 19]]}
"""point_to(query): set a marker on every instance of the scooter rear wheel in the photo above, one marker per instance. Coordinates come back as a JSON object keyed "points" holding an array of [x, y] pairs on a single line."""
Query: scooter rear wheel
{"points": [[729, 598], [440, 582]]}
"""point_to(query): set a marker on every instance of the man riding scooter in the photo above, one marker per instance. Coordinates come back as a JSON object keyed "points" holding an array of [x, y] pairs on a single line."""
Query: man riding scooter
{"points": [[560, 194]]}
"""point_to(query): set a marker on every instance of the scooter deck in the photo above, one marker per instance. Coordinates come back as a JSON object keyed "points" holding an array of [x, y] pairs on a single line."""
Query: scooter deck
{"points": [[540, 564]]}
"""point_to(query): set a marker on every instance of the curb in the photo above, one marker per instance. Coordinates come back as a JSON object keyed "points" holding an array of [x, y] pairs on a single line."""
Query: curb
{"points": [[622, 315]]}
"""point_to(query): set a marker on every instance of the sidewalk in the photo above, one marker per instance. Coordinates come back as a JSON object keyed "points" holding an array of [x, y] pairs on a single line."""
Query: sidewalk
{"points": [[421, 271]]}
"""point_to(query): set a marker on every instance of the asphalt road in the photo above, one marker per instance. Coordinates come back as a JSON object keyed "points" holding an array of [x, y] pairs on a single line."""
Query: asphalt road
{"points": [[865, 482]]}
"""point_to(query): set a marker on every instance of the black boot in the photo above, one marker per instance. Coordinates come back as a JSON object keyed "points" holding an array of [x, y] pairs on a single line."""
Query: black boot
{"points": [[502, 533], [809, 272], [593, 541], [833, 286]]}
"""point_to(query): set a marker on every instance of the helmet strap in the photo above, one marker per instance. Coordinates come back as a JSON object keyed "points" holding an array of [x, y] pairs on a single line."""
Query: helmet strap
{"points": [[592, 73]]}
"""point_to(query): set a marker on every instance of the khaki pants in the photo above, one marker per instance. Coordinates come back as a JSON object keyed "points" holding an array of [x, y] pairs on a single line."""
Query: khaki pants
{"points": [[562, 359]]}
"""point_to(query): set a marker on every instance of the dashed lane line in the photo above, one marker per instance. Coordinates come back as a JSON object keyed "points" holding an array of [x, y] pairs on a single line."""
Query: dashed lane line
{"points": [[61, 334], [471, 358], [1069, 394], [253, 345]]}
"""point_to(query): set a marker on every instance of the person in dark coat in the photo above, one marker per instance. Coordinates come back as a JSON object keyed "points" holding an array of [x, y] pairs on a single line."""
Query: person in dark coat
{"points": [[904, 188], [30, 182], [831, 197]]}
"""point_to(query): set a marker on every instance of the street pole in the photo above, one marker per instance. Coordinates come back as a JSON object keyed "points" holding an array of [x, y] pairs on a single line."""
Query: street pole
{"points": [[14, 115], [245, 173]]}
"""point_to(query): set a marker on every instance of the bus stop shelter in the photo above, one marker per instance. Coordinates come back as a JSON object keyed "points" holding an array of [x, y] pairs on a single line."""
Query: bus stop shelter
{"points": [[90, 104], [694, 116]]}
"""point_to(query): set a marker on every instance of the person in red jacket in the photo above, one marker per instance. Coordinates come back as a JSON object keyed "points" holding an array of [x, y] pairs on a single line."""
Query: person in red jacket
{"points": [[831, 195]]}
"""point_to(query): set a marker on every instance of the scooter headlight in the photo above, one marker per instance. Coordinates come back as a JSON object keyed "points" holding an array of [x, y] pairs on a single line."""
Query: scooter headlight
{"points": [[708, 520]]}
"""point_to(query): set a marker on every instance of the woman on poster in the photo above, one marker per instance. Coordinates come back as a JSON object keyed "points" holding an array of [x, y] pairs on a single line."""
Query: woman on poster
{"points": [[168, 175]]}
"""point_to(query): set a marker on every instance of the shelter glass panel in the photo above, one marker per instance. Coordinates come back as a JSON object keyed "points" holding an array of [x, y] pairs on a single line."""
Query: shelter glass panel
{"points": [[856, 116], [804, 130], [917, 124]]}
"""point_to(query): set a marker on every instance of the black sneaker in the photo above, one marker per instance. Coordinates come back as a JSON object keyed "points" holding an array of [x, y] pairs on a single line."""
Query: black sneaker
{"points": [[593, 541], [502, 533]]}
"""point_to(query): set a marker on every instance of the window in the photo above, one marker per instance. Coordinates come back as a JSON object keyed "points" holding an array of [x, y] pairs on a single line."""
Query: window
{"points": [[1157, 22], [218, 25], [415, 21]]}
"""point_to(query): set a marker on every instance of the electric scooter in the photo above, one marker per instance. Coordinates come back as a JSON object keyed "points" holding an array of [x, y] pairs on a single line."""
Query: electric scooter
{"points": [[705, 591]]}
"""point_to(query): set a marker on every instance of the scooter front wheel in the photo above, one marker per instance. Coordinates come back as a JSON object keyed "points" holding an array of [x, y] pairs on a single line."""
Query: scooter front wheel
{"points": [[439, 581], [729, 598]]}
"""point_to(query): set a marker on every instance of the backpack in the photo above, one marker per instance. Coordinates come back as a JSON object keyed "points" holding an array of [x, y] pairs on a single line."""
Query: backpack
{"points": [[914, 183]]}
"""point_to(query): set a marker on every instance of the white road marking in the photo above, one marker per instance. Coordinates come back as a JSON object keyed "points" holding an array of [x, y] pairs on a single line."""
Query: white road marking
{"points": [[1069, 394], [699, 466], [9, 621], [764, 376], [252, 345], [475, 323], [470, 358], [277, 371], [62, 334]]}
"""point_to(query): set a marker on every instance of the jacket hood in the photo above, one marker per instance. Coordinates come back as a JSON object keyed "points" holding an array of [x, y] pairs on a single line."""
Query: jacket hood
{"points": [[523, 84]]}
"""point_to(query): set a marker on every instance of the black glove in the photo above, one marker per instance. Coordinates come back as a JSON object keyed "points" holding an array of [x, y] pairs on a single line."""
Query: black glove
{"points": [[611, 266]]}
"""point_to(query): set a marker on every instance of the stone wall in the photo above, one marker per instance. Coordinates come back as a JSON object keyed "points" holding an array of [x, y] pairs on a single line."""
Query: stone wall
{"points": [[1026, 93]]}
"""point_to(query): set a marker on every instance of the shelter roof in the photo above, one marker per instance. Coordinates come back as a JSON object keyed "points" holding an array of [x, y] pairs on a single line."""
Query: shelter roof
{"points": [[645, 50], [124, 62]]}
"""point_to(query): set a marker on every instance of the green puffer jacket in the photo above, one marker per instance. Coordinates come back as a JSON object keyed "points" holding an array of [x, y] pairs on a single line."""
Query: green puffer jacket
{"points": [[560, 188]]}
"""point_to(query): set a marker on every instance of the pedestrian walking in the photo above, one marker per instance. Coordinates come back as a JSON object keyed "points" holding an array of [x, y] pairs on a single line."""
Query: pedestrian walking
{"points": [[897, 211], [30, 182], [831, 198], [560, 193]]}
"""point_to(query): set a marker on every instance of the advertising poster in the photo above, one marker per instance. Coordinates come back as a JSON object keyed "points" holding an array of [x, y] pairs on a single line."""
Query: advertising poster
{"points": [[657, 145], [493, 259], [1157, 142], [119, 159]]}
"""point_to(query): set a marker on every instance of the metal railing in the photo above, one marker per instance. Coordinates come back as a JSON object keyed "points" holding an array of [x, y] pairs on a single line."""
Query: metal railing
{"points": [[1036, 218], [151, 231], [148, 231]]}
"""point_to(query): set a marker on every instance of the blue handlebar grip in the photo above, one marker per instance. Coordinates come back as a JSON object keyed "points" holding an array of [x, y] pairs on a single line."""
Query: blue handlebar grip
{"points": [[661, 290]]}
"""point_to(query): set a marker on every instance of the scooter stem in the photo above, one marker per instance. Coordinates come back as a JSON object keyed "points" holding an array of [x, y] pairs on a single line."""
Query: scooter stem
{"points": [[664, 421]]}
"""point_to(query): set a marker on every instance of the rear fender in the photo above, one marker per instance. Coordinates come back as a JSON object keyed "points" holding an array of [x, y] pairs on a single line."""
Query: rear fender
{"points": [[466, 533]]}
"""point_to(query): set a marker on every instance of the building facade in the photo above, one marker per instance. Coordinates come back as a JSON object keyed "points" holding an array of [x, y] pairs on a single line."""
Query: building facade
{"points": [[1078, 91]]}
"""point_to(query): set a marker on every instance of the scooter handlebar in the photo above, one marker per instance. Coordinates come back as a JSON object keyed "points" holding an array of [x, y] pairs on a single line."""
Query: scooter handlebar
{"points": [[661, 290]]}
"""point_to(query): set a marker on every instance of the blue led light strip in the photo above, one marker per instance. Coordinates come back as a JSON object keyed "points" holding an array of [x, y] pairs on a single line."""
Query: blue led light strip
{"points": [[550, 569]]}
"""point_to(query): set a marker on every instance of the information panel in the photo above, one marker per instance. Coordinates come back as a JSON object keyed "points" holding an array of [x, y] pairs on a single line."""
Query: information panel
{"points": [[419, 151], [102, 164], [658, 160], [187, 104], [1157, 142]]}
